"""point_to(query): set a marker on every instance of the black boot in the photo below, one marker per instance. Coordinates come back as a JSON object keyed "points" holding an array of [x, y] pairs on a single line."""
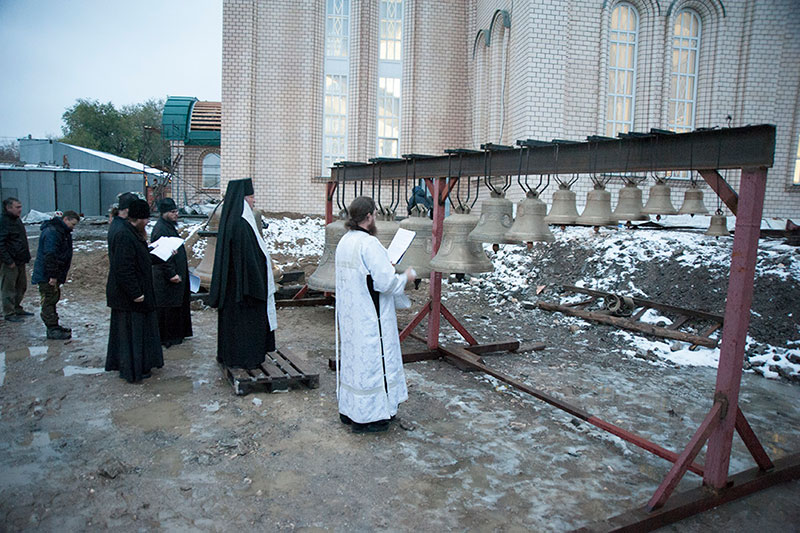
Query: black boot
{"points": [[58, 334]]}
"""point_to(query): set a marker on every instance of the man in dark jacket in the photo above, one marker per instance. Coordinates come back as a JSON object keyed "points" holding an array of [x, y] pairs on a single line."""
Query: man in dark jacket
{"points": [[14, 255], [171, 281], [53, 259]]}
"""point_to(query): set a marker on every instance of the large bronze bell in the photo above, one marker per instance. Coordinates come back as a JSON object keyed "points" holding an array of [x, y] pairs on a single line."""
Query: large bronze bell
{"points": [[563, 210], [205, 269], [324, 277], [659, 202], [457, 254], [386, 226], [693, 202], [530, 225], [719, 226], [496, 217], [418, 255], [629, 204], [598, 208]]}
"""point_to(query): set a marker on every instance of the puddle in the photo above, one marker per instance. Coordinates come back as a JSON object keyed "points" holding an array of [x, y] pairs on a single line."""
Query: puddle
{"points": [[178, 353], [75, 370], [24, 353], [177, 386], [169, 460], [161, 415]]}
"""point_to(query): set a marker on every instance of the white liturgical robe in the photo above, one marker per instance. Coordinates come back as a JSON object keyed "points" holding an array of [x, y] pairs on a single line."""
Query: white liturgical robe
{"points": [[371, 382]]}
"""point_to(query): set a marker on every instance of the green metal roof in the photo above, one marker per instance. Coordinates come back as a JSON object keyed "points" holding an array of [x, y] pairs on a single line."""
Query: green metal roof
{"points": [[175, 118]]}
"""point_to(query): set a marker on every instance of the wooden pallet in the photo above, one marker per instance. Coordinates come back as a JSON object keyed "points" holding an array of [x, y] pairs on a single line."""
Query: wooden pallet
{"points": [[683, 316], [280, 371]]}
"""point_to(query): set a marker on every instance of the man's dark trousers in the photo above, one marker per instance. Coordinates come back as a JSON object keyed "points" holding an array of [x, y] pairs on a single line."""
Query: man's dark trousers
{"points": [[13, 284], [50, 295]]}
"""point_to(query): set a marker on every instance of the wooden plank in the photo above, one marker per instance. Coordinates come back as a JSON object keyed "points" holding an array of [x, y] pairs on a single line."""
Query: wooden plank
{"points": [[631, 325], [504, 346], [640, 313], [678, 323], [272, 372], [294, 360], [286, 366]]}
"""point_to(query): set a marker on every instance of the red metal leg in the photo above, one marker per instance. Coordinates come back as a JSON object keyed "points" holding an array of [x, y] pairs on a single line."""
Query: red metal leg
{"points": [[456, 324], [330, 187], [737, 319], [436, 277], [414, 323], [302, 292], [679, 468], [751, 441]]}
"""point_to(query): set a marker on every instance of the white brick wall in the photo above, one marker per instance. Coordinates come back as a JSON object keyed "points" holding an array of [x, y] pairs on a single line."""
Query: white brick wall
{"points": [[551, 66]]}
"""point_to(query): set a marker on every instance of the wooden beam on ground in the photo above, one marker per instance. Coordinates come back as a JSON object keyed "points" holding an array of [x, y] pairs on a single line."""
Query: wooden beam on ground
{"points": [[625, 323]]}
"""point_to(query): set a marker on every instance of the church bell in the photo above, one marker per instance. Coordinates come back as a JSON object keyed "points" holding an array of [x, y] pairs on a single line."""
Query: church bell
{"points": [[205, 269], [324, 277], [418, 255], [457, 254], [629, 204], [386, 226], [495, 220], [693, 202], [563, 210], [659, 202], [598, 208], [719, 226], [530, 225]]}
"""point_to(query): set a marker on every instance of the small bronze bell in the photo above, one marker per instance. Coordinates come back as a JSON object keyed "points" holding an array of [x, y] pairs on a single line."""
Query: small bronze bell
{"points": [[719, 226], [418, 255], [629, 204], [457, 254], [530, 225], [693, 202], [659, 202], [324, 277], [205, 269], [563, 210], [496, 217], [598, 208]]}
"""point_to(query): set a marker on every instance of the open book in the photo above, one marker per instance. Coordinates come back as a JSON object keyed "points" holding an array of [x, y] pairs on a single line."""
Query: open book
{"points": [[400, 243]]}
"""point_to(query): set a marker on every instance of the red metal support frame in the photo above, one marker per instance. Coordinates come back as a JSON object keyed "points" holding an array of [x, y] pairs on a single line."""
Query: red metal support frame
{"points": [[682, 464], [737, 320], [436, 277]]}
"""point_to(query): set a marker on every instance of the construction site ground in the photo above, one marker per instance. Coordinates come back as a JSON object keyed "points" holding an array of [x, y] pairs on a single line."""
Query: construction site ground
{"points": [[82, 449]]}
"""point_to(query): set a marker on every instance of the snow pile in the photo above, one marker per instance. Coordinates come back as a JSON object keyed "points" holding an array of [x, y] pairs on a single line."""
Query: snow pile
{"points": [[303, 237]]}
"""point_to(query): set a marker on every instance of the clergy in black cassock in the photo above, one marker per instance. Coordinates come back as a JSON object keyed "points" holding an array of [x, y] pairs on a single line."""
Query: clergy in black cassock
{"points": [[134, 347], [171, 281], [242, 286]]}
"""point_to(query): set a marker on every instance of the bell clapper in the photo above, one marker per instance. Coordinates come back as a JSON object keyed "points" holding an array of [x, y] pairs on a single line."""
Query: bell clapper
{"points": [[596, 229], [416, 283], [495, 247], [563, 227]]}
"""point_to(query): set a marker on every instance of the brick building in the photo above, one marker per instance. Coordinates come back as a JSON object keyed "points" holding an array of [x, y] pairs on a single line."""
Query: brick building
{"points": [[309, 82], [193, 130]]}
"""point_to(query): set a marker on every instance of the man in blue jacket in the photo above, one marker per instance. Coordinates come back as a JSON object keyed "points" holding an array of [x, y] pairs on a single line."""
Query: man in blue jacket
{"points": [[53, 259]]}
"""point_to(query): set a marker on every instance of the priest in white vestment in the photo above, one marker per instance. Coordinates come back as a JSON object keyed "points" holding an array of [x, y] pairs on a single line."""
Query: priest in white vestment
{"points": [[371, 382]]}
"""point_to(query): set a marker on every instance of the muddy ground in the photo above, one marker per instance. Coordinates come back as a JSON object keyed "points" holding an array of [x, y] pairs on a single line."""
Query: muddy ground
{"points": [[82, 449]]}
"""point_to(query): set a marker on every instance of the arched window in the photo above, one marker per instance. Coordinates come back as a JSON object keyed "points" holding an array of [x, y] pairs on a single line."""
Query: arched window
{"points": [[337, 65], [390, 68], [623, 37], [211, 171], [683, 78]]}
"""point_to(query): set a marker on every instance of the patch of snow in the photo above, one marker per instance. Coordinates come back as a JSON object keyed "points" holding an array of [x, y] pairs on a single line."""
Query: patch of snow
{"points": [[82, 370]]}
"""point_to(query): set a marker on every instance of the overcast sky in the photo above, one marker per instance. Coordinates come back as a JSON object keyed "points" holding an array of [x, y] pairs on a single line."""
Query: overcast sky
{"points": [[53, 52]]}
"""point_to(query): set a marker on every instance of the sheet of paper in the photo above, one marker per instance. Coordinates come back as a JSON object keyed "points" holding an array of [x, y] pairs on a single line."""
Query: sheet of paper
{"points": [[400, 243], [194, 283], [164, 247]]}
